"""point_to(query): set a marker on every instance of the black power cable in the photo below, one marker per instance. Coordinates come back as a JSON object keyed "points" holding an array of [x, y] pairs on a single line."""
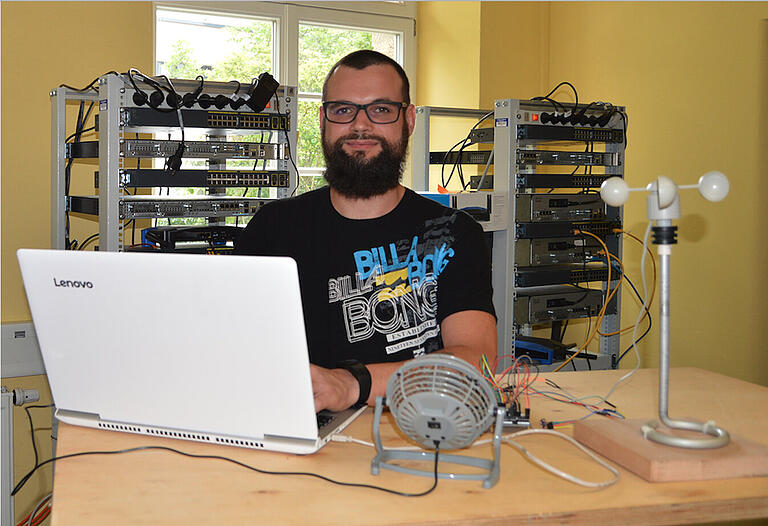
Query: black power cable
{"points": [[79, 130], [237, 463], [89, 86]]}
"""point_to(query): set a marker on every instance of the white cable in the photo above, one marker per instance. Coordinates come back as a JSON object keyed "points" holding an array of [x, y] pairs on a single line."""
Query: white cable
{"points": [[508, 439], [353, 440], [636, 327], [39, 505], [485, 172], [557, 472]]}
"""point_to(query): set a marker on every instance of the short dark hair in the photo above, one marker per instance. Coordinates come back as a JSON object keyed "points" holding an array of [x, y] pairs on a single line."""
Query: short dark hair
{"points": [[366, 57]]}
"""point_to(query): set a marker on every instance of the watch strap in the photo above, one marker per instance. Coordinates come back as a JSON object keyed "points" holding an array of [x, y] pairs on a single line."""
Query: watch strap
{"points": [[363, 377]]}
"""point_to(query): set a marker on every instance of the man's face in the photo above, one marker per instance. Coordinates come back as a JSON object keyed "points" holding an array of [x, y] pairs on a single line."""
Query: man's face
{"points": [[364, 158]]}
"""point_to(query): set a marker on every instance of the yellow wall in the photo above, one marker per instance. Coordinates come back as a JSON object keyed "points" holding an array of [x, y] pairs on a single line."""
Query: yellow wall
{"points": [[45, 44], [694, 77], [690, 76], [514, 51], [447, 60]]}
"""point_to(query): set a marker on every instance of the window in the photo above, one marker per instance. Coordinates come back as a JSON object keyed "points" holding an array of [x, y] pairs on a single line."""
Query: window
{"points": [[218, 47], [296, 43], [320, 47]]}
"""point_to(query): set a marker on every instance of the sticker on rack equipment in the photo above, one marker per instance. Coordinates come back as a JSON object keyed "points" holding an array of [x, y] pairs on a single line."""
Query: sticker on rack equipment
{"points": [[103, 105], [501, 123]]}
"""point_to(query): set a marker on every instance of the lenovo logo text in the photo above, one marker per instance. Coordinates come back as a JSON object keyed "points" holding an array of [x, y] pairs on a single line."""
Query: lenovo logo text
{"points": [[72, 283]]}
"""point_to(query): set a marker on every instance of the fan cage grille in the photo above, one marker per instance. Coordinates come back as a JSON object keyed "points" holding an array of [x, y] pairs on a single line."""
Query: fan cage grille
{"points": [[446, 386]]}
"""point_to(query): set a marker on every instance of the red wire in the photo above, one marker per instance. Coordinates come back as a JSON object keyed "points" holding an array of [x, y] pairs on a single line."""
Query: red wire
{"points": [[40, 517]]}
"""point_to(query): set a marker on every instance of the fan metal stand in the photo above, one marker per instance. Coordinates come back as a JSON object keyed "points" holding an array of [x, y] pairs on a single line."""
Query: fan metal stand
{"points": [[384, 456]]}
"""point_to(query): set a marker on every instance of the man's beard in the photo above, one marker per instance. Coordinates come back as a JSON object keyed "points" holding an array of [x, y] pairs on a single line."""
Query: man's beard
{"points": [[358, 177]]}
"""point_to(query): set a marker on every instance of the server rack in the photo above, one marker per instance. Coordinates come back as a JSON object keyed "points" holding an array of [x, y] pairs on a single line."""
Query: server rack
{"points": [[118, 114], [535, 153]]}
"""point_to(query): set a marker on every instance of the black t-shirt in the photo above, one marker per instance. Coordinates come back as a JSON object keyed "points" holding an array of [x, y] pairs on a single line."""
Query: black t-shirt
{"points": [[375, 290]]}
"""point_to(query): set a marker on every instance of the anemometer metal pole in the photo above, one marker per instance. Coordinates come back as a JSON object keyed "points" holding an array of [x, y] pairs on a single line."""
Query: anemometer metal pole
{"points": [[650, 430], [663, 205]]}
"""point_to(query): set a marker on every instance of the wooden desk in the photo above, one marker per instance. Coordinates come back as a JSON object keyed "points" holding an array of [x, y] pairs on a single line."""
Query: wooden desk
{"points": [[156, 487]]}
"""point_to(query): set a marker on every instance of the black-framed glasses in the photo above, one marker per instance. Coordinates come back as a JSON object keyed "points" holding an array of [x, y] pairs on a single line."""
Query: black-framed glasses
{"points": [[382, 112]]}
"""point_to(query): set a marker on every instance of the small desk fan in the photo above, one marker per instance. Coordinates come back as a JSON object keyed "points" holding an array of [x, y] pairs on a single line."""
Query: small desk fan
{"points": [[440, 400]]}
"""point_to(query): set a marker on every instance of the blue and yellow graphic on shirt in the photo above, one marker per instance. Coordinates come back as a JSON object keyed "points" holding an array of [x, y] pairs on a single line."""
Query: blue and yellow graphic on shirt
{"points": [[394, 293]]}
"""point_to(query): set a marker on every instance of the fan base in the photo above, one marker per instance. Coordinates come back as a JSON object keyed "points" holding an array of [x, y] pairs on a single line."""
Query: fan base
{"points": [[383, 457]]}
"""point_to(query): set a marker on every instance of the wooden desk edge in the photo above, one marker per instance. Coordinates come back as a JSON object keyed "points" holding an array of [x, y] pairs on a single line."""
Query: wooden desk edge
{"points": [[653, 515]]}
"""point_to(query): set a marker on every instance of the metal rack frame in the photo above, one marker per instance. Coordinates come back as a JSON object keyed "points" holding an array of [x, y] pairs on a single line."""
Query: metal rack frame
{"points": [[115, 95], [508, 114]]}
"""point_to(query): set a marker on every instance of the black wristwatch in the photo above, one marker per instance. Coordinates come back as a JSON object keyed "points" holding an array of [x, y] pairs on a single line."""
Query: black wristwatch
{"points": [[363, 377]]}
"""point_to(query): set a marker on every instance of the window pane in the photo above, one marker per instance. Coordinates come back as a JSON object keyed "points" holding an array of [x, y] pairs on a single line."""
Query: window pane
{"points": [[218, 47], [320, 47], [310, 148]]}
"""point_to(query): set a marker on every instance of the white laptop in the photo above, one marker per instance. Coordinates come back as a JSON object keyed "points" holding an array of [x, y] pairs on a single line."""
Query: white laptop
{"points": [[195, 347]]}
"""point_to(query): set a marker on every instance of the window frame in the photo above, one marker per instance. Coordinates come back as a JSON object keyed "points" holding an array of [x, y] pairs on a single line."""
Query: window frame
{"points": [[396, 17]]}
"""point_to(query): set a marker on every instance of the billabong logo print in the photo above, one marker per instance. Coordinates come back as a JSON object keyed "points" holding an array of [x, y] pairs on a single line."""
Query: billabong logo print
{"points": [[394, 290]]}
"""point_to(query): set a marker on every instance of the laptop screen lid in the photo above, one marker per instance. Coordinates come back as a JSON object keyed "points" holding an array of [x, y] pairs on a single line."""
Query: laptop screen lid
{"points": [[210, 344]]}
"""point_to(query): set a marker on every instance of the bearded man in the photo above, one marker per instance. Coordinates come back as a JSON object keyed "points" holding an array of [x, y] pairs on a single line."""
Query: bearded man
{"points": [[386, 275]]}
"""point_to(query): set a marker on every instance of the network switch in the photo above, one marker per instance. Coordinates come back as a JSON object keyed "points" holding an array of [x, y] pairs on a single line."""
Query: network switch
{"points": [[565, 228], [555, 251], [473, 157], [531, 157], [137, 207], [543, 132], [149, 178], [562, 302], [152, 148], [558, 181], [154, 206], [561, 274], [191, 238], [139, 118], [559, 207]]}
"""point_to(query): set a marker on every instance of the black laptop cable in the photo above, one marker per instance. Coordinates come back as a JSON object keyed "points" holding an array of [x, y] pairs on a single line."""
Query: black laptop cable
{"points": [[233, 461]]}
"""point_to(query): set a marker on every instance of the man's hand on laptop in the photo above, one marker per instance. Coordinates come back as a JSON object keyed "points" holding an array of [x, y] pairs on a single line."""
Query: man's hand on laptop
{"points": [[334, 389]]}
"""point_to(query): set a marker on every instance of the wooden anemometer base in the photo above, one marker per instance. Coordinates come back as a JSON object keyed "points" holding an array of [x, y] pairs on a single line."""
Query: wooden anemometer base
{"points": [[622, 442]]}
